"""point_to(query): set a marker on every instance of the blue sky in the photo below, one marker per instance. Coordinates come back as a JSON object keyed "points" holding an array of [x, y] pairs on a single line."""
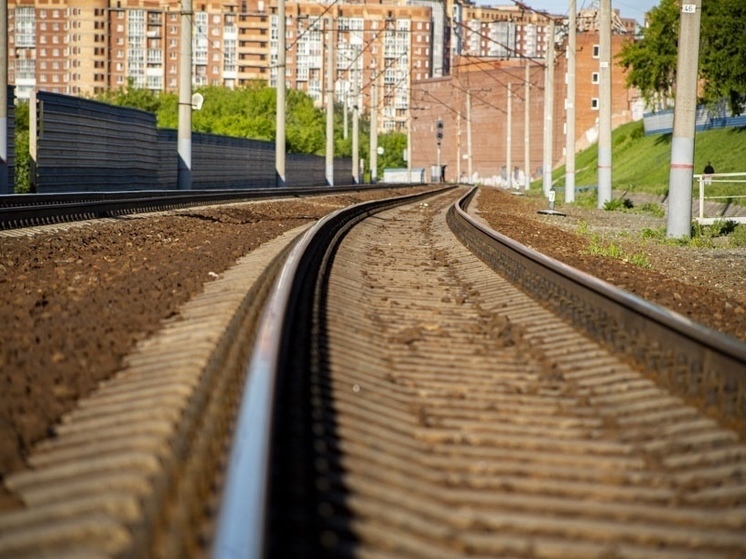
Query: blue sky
{"points": [[628, 8]]}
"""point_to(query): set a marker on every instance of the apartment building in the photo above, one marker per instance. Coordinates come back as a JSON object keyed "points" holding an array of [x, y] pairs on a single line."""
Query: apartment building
{"points": [[498, 31], [473, 102], [85, 47]]}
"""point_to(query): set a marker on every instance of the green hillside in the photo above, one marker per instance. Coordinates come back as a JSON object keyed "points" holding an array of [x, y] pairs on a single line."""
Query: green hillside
{"points": [[641, 163]]}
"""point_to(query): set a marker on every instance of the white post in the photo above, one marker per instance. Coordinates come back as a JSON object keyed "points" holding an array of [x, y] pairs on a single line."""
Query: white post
{"points": [[468, 133], [374, 129], [509, 139], [570, 131], [604, 105], [280, 96], [330, 104], [548, 111], [184, 175], [355, 139], [527, 127], [684, 123]]}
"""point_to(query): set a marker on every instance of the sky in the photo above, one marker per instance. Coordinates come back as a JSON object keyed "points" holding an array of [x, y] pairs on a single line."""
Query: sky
{"points": [[628, 8]]}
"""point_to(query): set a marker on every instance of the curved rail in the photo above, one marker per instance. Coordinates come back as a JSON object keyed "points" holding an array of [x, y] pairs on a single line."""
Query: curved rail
{"points": [[290, 338], [243, 514], [692, 360]]}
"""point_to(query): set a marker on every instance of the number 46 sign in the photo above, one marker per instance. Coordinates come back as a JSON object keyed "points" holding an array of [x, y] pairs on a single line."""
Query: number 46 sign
{"points": [[689, 8]]}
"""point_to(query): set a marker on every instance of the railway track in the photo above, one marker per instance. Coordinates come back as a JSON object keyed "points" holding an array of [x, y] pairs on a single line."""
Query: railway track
{"points": [[426, 407], [28, 210]]}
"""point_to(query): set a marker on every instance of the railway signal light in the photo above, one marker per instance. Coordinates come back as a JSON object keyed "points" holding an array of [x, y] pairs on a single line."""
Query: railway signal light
{"points": [[440, 131]]}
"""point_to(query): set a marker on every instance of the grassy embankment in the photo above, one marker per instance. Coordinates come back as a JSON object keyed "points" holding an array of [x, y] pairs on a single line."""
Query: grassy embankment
{"points": [[641, 163]]}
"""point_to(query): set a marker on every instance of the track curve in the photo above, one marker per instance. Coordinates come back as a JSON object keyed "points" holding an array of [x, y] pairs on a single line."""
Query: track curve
{"points": [[442, 412]]}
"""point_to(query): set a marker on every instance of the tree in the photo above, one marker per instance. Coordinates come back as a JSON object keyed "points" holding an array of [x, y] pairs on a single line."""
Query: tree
{"points": [[393, 144], [650, 62], [22, 168], [131, 96], [723, 58]]}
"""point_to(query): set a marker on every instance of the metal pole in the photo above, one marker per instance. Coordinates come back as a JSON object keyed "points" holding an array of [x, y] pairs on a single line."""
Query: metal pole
{"points": [[438, 140], [355, 139], [527, 127], [604, 105], [684, 123], [374, 130], [548, 111], [280, 170], [468, 134], [509, 139], [409, 112], [184, 179], [345, 125], [330, 104], [570, 131], [458, 146], [5, 186]]}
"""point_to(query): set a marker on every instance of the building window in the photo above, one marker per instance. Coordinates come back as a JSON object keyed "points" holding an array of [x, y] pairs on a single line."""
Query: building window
{"points": [[596, 51], [594, 77], [594, 103]]}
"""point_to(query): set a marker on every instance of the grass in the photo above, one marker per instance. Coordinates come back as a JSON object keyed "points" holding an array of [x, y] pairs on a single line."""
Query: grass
{"points": [[723, 233], [641, 163], [597, 247]]}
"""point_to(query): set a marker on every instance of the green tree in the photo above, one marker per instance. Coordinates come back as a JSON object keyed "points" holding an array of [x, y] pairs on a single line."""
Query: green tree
{"points": [[723, 58], [131, 96], [22, 155], [393, 144], [650, 62]]}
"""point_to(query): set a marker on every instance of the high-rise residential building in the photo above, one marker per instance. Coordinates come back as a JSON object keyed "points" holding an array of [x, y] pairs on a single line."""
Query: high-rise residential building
{"points": [[85, 47]]}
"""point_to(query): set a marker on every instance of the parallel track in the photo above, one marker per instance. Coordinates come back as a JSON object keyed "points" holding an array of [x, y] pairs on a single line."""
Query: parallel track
{"points": [[27, 210], [420, 405]]}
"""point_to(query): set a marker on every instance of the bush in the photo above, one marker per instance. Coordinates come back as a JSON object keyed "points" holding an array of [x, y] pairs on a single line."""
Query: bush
{"points": [[619, 204]]}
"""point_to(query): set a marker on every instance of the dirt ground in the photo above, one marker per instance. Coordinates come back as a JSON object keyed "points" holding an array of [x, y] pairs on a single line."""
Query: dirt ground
{"points": [[74, 302], [706, 285]]}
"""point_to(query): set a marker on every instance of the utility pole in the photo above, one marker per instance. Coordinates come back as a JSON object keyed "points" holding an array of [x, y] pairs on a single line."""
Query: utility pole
{"points": [[458, 146], [374, 129], [184, 176], [509, 139], [604, 105], [527, 127], [468, 134], [570, 110], [355, 137], [280, 99], [548, 111], [684, 123], [439, 138], [409, 112], [330, 104], [5, 186], [344, 114]]}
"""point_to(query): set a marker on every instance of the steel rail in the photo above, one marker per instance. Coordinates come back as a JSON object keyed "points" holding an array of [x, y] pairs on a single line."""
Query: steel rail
{"points": [[24, 210], [693, 360], [243, 513]]}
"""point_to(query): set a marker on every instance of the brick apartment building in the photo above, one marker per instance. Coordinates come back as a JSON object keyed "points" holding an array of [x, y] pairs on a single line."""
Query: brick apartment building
{"points": [[84, 47], [473, 102]]}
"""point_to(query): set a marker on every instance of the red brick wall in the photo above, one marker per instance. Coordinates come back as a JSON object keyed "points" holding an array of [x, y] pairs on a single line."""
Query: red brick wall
{"points": [[445, 98]]}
